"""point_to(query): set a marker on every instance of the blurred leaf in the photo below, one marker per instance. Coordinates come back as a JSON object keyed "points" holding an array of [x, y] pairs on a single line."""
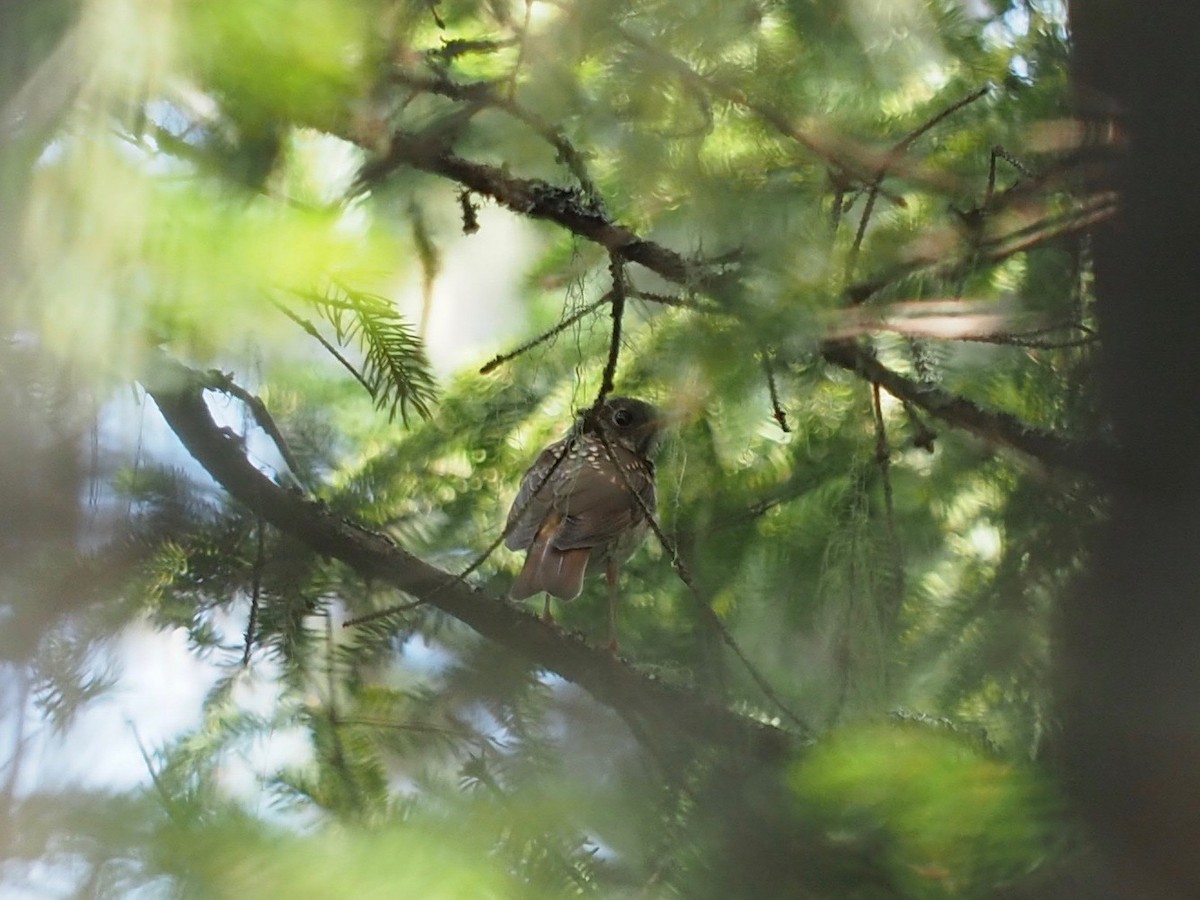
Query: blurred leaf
{"points": [[949, 819]]}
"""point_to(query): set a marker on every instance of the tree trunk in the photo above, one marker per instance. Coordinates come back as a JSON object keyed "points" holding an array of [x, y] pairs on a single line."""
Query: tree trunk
{"points": [[1129, 637]]}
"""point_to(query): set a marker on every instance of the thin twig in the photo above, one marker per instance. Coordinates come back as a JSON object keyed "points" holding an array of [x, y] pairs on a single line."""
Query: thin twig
{"points": [[897, 150], [437, 19], [1014, 340], [686, 577], [419, 728], [991, 181], [339, 751], [383, 613], [837, 208], [497, 361], [975, 219], [255, 592], [333, 351], [516, 69], [905, 142], [219, 381], [662, 299], [777, 412], [998, 152], [883, 458], [860, 232], [1091, 212], [20, 738], [155, 777], [430, 260], [675, 302], [616, 268]]}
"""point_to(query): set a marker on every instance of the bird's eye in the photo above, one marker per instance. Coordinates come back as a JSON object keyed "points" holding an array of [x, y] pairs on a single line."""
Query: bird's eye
{"points": [[622, 418]]}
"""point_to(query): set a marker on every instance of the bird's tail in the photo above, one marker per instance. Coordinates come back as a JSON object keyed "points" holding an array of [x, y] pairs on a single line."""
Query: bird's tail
{"points": [[557, 572]]}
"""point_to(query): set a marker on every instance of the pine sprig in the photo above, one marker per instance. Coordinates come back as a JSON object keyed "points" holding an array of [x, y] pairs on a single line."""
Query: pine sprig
{"points": [[395, 369]]}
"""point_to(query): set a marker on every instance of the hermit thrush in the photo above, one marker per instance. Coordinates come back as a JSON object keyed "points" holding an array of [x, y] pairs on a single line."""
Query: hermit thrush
{"points": [[579, 502]]}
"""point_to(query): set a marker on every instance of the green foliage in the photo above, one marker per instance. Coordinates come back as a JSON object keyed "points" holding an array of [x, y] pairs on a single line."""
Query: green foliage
{"points": [[949, 819], [319, 55], [66, 677], [227, 184], [237, 857]]}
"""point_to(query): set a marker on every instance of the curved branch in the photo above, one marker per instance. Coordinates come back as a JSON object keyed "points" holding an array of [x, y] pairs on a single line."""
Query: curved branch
{"points": [[684, 714]]}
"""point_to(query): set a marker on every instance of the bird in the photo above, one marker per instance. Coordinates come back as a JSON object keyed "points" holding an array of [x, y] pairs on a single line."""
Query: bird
{"points": [[584, 503]]}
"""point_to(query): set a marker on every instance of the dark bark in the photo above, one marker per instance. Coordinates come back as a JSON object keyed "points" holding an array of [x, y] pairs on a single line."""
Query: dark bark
{"points": [[1093, 456], [1129, 637]]}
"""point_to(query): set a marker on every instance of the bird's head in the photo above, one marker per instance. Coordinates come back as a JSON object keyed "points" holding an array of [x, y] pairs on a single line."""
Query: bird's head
{"points": [[633, 424]]}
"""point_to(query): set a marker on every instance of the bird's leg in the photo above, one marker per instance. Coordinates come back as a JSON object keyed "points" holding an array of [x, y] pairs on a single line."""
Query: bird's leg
{"points": [[546, 616], [610, 575]]}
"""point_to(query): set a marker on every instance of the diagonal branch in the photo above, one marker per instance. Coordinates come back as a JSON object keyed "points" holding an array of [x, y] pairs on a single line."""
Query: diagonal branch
{"points": [[685, 715], [1093, 457]]}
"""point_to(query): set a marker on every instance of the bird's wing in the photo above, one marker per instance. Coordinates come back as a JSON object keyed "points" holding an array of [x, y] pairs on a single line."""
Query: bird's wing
{"points": [[597, 505], [528, 512]]}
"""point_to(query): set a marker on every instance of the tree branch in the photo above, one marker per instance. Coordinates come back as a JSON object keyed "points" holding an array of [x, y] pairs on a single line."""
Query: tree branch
{"points": [[1093, 457], [533, 197], [684, 714]]}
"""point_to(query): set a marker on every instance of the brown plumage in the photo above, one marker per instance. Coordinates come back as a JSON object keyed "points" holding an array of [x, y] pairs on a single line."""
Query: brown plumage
{"points": [[585, 510]]}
